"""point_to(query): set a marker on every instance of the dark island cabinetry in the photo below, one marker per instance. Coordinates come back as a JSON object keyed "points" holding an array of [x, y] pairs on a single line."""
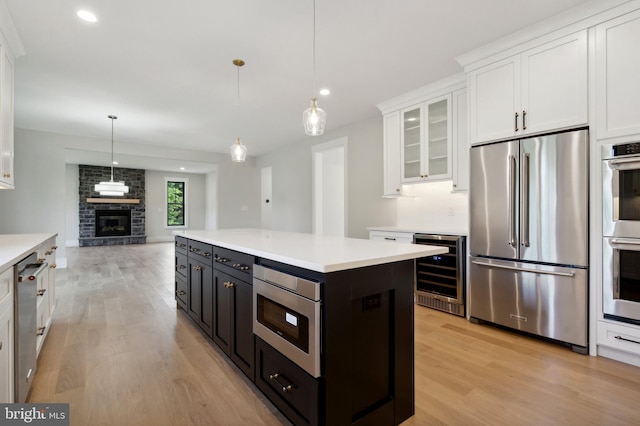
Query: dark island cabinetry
{"points": [[365, 374], [233, 309]]}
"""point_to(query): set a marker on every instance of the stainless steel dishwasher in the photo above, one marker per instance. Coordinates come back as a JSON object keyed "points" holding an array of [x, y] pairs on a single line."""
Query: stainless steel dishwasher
{"points": [[25, 316]]}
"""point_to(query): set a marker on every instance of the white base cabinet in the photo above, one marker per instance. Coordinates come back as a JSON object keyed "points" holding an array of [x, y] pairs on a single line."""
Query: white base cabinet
{"points": [[539, 90], [392, 236], [46, 291], [6, 337], [618, 77], [619, 341]]}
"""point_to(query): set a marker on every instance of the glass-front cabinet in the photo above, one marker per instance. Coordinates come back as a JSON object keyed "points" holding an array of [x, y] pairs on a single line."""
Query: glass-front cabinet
{"points": [[426, 141]]}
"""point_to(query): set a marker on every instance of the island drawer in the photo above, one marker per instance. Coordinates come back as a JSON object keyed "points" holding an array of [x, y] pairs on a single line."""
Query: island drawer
{"points": [[201, 251], [181, 292], [240, 265], [181, 264], [181, 245], [288, 386]]}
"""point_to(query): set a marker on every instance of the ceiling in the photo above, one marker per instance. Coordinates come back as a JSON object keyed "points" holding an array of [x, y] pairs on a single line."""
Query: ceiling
{"points": [[165, 67]]}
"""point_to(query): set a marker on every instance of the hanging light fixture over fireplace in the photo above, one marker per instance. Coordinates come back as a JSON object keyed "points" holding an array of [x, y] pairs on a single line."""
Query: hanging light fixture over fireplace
{"points": [[117, 189]]}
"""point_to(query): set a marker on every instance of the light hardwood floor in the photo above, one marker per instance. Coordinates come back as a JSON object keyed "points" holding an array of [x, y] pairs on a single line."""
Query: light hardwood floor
{"points": [[121, 354]]}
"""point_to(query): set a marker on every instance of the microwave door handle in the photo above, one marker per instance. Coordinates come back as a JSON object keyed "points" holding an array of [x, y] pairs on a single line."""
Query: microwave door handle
{"points": [[512, 201]]}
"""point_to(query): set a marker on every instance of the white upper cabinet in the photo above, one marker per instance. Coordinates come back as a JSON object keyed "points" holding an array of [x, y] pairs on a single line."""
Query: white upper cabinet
{"points": [[460, 141], [426, 141], [391, 130], [419, 132], [6, 116], [618, 77], [538, 90]]}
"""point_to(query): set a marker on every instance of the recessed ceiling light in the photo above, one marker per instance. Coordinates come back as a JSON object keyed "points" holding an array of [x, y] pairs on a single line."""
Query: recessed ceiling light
{"points": [[324, 92], [87, 16], [115, 162], [181, 168]]}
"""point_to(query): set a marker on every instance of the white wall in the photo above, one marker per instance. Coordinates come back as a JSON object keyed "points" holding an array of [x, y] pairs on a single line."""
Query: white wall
{"points": [[46, 194], [155, 203], [292, 181], [434, 208], [38, 202]]}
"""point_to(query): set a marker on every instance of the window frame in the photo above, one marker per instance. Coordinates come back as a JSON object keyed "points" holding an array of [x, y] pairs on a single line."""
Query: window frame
{"points": [[185, 202]]}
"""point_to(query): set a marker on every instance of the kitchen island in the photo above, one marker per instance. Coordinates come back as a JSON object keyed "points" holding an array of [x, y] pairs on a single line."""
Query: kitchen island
{"points": [[365, 353]]}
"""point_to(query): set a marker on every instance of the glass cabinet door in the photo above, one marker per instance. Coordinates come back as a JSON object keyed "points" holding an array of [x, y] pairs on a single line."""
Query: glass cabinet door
{"points": [[412, 136], [438, 138]]}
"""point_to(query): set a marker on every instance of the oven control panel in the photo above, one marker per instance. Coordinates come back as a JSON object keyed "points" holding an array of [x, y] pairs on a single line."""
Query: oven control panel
{"points": [[626, 149]]}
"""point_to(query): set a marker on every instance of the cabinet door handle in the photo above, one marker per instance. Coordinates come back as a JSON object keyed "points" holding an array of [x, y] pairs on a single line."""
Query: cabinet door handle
{"points": [[41, 331], [517, 121], [7, 175], [41, 292], [0, 345], [229, 284], [274, 377], [53, 266]]}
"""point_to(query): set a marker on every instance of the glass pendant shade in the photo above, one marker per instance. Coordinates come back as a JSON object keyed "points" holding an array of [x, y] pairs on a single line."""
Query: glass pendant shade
{"points": [[314, 119], [238, 151]]}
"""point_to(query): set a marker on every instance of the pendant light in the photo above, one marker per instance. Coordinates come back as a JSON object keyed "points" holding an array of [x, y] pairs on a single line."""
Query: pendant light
{"points": [[112, 188], [314, 117], [238, 151]]}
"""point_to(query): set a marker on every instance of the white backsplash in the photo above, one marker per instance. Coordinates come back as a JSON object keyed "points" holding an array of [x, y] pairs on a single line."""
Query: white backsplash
{"points": [[432, 207]]}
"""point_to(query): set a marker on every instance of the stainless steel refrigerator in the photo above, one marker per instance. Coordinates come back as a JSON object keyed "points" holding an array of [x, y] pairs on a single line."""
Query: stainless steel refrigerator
{"points": [[529, 236]]}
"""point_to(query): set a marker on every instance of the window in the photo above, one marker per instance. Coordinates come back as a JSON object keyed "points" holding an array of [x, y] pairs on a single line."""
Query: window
{"points": [[176, 190]]}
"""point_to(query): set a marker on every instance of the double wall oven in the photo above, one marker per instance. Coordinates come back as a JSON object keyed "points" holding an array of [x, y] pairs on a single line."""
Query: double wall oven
{"points": [[621, 232]]}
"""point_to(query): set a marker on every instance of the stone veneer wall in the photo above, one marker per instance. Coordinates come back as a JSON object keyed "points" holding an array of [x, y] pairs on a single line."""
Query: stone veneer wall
{"points": [[134, 179]]}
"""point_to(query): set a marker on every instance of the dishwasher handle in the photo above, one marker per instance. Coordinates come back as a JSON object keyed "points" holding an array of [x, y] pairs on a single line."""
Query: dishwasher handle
{"points": [[30, 277]]}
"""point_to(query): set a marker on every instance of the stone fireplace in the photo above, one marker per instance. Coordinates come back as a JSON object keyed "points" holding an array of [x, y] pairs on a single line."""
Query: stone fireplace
{"points": [[108, 220]]}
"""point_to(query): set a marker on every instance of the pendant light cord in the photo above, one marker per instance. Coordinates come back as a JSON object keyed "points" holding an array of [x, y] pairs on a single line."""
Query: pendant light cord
{"points": [[314, 48]]}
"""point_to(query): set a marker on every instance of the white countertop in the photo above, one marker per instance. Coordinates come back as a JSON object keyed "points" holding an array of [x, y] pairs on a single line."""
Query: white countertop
{"points": [[439, 231], [15, 247], [317, 253]]}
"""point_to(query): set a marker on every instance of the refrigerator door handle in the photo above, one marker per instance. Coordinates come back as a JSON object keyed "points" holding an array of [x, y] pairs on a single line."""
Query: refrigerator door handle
{"points": [[512, 201], [515, 268], [525, 200]]}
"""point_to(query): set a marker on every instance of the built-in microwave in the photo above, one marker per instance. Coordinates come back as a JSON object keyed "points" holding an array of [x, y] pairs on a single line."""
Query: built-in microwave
{"points": [[621, 191]]}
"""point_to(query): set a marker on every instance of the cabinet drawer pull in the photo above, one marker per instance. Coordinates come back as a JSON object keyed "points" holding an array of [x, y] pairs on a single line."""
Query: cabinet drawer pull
{"points": [[389, 238], [197, 268], [274, 377], [53, 266], [180, 267], [181, 293], [181, 245], [206, 254], [626, 340], [41, 292], [7, 175], [517, 121], [220, 259], [244, 268], [229, 284], [41, 331]]}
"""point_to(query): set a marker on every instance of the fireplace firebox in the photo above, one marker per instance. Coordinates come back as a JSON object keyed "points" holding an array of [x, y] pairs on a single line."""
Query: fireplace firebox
{"points": [[113, 223]]}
